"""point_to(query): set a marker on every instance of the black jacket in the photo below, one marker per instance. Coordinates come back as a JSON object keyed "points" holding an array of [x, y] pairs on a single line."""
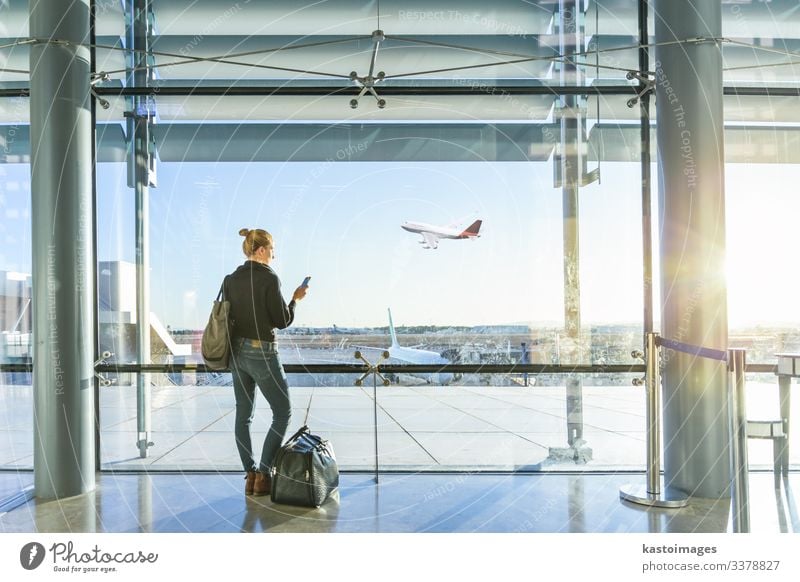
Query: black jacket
{"points": [[257, 306]]}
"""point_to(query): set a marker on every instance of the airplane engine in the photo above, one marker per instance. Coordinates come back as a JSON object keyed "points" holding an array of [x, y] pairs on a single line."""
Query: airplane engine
{"points": [[444, 379]]}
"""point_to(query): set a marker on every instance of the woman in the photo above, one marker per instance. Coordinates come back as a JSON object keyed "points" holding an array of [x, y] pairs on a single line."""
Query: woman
{"points": [[257, 308]]}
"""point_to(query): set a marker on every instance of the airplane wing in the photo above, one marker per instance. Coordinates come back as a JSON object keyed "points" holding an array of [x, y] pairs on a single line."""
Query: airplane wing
{"points": [[354, 347], [430, 241]]}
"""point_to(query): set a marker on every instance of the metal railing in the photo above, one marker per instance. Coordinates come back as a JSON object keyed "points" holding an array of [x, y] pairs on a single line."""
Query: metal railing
{"points": [[652, 493], [396, 368]]}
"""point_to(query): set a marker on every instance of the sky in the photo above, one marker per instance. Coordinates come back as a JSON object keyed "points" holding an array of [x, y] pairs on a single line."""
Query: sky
{"points": [[340, 223]]}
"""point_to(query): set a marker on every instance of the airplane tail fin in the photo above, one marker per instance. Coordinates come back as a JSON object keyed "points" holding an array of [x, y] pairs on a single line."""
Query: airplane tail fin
{"points": [[472, 229], [392, 332]]}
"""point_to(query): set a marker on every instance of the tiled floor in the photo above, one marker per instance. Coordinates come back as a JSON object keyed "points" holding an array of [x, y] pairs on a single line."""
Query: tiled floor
{"points": [[421, 428], [202, 502]]}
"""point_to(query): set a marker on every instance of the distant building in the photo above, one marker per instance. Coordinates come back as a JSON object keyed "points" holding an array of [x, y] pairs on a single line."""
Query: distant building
{"points": [[15, 323], [15, 300], [116, 319]]}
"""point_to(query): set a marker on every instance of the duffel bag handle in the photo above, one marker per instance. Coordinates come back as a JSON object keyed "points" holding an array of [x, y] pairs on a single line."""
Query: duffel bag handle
{"points": [[324, 448], [303, 430]]}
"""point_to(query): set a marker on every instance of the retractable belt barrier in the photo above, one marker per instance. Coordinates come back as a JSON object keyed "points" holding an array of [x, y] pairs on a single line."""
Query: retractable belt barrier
{"points": [[708, 353], [652, 494]]}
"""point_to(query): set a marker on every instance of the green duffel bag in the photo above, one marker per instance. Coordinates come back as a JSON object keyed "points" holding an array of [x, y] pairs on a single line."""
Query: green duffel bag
{"points": [[305, 471]]}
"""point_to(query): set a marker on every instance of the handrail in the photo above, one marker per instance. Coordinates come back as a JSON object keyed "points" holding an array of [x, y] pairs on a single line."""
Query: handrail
{"points": [[398, 368], [360, 368]]}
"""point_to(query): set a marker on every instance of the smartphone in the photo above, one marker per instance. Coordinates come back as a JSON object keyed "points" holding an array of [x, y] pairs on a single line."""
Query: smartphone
{"points": [[305, 281]]}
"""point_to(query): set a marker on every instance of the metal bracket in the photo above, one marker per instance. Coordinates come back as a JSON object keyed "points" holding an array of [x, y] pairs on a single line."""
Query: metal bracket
{"points": [[103, 360], [368, 81], [143, 444], [99, 77], [94, 79], [648, 85], [638, 355], [372, 369], [139, 115]]}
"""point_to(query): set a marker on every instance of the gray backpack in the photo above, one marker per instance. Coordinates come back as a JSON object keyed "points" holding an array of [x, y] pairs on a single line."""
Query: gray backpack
{"points": [[216, 343]]}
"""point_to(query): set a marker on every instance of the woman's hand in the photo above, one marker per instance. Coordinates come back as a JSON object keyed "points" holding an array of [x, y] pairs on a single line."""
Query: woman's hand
{"points": [[299, 293]]}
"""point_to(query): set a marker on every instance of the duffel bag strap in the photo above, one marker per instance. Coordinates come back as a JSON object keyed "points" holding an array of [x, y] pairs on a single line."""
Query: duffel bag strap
{"points": [[303, 430]]}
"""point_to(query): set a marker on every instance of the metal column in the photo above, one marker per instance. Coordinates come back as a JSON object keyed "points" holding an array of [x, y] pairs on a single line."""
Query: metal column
{"points": [[570, 175], [644, 120], [137, 11], [692, 213], [63, 294]]}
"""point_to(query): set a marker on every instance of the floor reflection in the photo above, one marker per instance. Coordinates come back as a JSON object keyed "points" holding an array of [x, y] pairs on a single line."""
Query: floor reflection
{"points": [[788, 520], [455, 502]]}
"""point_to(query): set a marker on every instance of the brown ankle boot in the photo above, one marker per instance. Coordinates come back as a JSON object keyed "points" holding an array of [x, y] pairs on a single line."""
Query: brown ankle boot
{"points": [[249, 482], [263, 484]]}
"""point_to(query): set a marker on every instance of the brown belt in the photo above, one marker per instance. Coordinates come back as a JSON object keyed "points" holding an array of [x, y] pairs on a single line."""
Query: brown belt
{"points": [[261, 344]]}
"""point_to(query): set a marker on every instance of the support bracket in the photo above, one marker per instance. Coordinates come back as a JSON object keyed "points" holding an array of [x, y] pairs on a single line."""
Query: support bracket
{"points": [[368, 81], [647, 84], [104, 381]]}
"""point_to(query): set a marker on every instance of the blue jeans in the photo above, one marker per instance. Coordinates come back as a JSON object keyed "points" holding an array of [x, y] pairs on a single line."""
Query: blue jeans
{"points": [[251, 365]]}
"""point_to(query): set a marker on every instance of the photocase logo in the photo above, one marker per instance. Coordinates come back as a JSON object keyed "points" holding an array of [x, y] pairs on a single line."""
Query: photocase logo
{"points": [[31, 556]]}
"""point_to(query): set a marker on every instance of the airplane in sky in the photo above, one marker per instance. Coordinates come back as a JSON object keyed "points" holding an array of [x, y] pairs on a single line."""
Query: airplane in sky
{"points": [[432, 233]]}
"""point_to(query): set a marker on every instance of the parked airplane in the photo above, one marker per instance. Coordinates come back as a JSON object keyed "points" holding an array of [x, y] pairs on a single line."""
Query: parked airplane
{"points": [[432, 233], [418, 356]]}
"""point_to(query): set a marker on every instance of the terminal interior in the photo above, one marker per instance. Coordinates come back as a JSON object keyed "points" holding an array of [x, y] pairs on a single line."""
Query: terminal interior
{"points": [[625, 317]]}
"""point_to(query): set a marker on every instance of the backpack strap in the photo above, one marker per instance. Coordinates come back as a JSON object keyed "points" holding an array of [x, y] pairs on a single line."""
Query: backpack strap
{"points": [[222, 289]]}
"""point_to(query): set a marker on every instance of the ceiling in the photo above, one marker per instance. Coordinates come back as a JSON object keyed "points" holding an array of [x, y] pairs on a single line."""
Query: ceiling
{"points": [[329, 39], [429, 46]]}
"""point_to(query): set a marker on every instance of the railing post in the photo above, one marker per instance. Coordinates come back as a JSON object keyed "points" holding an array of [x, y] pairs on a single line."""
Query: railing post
{"points": [[737, 415], [375, 371], [651, 494], [653, 387]]}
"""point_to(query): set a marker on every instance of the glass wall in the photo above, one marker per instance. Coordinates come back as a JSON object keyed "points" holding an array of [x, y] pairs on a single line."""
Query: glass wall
{"points": [[762, 163], [336, 196], [335, 183], [16, 395], [16, 442]]}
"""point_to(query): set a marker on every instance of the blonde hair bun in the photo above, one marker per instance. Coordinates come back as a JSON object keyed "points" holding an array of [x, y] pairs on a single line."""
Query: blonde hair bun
{"points": [[254, 239]]}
